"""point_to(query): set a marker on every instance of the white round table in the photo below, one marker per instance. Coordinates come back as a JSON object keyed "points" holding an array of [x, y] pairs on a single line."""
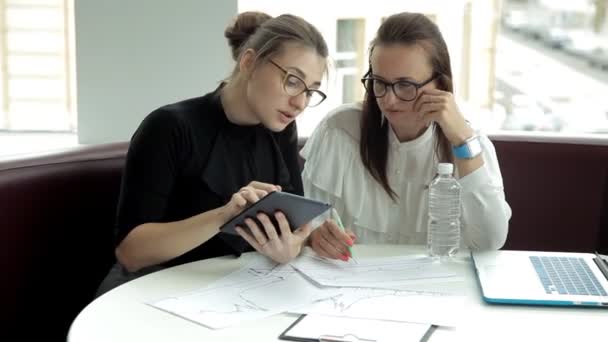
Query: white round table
{"points": [[123, 315]]}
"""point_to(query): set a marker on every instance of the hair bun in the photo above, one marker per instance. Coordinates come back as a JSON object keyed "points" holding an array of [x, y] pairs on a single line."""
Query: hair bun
{"points": [[243, 26]]}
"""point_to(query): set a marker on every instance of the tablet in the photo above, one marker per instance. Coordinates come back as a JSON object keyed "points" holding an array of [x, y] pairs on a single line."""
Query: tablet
{"points": [[298, 210]]}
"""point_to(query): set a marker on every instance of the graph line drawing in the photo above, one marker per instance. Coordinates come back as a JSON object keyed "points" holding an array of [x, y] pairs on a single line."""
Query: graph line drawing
{"points": [[372, 272], [260, 289], [395, 305]]}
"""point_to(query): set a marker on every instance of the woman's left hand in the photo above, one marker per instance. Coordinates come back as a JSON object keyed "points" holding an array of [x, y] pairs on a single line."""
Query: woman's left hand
{"points": [[439, 106], [265, 240]]}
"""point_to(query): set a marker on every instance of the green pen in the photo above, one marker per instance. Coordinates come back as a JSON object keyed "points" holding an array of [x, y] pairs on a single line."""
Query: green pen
{"points": [[337, 217]]}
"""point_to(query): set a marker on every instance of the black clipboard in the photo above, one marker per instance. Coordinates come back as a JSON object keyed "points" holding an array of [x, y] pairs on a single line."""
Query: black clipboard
{"points": [[285, 334], [330, 338], [298, 210], [323, 338]]}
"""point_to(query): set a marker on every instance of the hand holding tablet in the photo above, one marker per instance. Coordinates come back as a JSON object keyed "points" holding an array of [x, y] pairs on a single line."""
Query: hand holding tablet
{"points": [[297, 209]]}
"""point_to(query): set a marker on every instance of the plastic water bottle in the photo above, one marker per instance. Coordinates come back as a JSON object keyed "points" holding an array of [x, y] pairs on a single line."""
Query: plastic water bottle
{"points": [[444, 213]]}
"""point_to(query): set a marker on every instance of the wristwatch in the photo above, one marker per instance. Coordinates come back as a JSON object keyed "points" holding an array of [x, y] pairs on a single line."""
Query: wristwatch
{"points": [[470, 149]]}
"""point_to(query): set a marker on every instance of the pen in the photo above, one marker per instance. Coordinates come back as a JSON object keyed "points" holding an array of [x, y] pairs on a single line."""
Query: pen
{"points": [[335, 214]]}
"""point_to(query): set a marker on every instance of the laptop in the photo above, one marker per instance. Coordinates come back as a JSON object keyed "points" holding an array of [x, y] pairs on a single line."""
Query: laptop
{"points": [[542, 278]]}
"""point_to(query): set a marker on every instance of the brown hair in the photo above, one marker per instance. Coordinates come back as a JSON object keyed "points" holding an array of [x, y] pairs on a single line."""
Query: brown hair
{"points": [[267, 35], [408, 29]]}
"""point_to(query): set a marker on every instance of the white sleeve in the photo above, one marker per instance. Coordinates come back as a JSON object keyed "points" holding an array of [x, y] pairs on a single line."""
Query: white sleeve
{"points": [[486, 213], [322, 177], [313, 192]]}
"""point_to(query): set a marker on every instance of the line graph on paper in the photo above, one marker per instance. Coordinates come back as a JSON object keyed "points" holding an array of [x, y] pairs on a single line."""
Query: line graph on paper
{"points": [[393, 305], [372, 272], [260, 289]]}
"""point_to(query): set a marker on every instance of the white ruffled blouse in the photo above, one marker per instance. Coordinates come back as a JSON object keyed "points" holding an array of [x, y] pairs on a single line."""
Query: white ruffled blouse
{"points": [[334, 173]]}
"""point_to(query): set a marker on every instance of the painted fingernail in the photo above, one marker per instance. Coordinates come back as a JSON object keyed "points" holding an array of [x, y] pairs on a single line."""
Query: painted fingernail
{"points": [[344, 257], [349, 242]]}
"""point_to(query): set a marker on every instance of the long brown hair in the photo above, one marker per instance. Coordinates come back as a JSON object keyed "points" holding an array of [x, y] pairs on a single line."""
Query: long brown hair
{"points": [[408, 29]]}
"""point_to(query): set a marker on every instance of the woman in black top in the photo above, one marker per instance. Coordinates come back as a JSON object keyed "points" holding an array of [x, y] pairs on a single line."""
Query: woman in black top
{"points": [[193, 165]]}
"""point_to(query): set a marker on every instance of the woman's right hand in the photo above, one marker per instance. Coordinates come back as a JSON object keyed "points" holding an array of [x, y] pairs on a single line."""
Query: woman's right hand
{"points": [[246, 196], [329, 241]]}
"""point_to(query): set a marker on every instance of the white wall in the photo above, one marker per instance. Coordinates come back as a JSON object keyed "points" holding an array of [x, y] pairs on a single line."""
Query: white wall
{"points": [[133, 56]]}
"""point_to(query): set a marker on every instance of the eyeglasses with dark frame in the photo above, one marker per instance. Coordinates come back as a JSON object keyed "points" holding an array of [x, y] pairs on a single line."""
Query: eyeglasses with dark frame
{"points": [[294, 85], [404, 90]]}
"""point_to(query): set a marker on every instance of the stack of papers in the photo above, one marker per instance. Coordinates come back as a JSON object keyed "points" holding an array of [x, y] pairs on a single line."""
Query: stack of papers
{"points": [[372, 289], [261, 289]]}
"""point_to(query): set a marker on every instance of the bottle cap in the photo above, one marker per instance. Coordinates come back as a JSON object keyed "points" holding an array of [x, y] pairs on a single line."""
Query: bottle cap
{"points": [[445, 168]]}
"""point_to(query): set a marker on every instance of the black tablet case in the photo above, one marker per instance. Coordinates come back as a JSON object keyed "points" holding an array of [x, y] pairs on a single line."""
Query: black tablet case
{"points": [[298, 210]]}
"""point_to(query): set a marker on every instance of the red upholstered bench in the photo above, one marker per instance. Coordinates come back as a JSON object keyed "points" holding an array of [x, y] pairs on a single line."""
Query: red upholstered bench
{"points": [[56, 212], [557, 188]]}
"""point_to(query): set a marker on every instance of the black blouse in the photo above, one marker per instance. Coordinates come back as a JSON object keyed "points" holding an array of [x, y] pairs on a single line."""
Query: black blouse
{"points": [[187, 158]]}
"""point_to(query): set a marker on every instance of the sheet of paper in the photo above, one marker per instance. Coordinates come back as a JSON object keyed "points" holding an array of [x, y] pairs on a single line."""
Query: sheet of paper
{"points": [[356, 329], [373, 272], [260, 289], [455, 286], [395, 305]]}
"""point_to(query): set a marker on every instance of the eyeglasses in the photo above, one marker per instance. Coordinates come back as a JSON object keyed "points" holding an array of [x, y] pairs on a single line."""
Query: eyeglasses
{"points": [[403, 89], [294, 86]]}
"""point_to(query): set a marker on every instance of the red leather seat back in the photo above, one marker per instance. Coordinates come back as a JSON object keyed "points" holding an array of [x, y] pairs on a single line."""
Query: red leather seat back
{"points": [[557, 194], [57, 215]]}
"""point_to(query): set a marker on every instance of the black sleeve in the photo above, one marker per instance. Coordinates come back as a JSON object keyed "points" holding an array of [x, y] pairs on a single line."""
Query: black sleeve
{"points": [[153, 163], [288, 142]]}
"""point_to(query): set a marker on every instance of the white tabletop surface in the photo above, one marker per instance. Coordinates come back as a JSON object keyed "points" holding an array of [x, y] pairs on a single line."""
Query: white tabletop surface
{"points": [[122, 315]]}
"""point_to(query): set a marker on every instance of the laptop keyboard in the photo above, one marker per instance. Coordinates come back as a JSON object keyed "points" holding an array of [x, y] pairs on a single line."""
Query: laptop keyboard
{"points": [[566, 275]]}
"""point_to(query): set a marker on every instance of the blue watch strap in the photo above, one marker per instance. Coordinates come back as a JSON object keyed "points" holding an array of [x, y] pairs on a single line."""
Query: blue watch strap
{"points": [[470, 149]]}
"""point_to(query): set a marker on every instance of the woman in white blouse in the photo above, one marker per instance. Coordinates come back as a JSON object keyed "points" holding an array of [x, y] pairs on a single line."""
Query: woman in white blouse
{"points": [[373, 161]]}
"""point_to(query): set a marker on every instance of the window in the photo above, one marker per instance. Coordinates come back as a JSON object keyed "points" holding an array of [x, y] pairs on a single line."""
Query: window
{"points": [[37, 66], [561, 83], [349, 58]]}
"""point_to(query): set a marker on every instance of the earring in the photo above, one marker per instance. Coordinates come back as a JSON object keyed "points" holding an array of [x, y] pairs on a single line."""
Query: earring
{"points": [[382, 119]]}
